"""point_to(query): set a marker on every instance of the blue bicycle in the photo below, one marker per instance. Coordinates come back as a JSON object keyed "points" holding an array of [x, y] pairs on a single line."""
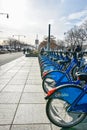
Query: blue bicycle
{"points": [[67, 104], [53, 62], [55, 78]]}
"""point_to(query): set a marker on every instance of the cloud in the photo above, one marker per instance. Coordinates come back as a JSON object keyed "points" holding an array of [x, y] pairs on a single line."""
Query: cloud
{"points": [[62, 1], [77, 15], [67, 22], [76, 18], [63, 18], [51, 21], [81, 21]]}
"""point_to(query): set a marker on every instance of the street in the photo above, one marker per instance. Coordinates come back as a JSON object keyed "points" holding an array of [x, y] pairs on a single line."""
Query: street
{"points": [[5, 58]]}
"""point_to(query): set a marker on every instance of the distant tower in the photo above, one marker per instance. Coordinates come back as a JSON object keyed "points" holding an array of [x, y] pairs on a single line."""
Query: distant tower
{"points": [[36, 42]]}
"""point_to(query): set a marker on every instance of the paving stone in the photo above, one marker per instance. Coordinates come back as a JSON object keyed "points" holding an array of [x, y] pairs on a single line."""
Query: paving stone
{"points": [[13, 88], [4, 81], [34, 77], [13, 71], [31, 113], [17, 81], [31, 127], [32, 98], [2, 86], [35, 74], [6, 76], [9, 97], [36, 82], [33, 88], [20, 77], [58, 128], [5, 127], [3, 78], [10, 73], [7, 113]]}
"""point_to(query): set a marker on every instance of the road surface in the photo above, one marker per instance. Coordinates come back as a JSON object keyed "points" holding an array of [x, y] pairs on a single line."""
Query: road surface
{"points": [[5, 58]]}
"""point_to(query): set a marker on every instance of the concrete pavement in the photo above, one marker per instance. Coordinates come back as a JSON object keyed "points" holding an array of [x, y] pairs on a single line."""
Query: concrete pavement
{"points": [[22, 103]]}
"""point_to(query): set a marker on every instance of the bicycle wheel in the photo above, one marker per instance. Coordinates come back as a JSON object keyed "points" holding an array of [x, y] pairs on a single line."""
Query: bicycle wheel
{"points": [[54, 78], [83, 68], [73, 72], [47, 84], [56, 111]]}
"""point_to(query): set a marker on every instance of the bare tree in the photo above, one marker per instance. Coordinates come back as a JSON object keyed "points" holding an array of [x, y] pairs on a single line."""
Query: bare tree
{"points": [[84, 27], [61, 44], [76, 36], [44, 43]]}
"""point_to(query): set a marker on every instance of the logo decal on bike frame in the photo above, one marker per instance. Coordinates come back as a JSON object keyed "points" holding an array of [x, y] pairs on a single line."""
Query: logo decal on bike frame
{"points": [[59, 94]]}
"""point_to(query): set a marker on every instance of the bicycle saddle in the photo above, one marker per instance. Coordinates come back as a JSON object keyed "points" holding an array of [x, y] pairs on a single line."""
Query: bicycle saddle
{"points": [[82, 76], [63, 62]]}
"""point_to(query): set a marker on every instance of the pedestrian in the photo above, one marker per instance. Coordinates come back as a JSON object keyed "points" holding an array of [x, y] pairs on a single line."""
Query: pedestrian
{"points": [[42, 51], [78, 48], [24, 51]]}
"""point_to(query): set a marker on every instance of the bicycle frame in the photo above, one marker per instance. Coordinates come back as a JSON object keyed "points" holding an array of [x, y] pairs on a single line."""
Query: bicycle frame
{"points": [[75, 96], [63, 77], [76, 106], [48, 63]]}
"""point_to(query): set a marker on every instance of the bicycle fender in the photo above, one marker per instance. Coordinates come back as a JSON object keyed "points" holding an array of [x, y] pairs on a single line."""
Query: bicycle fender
{"points": [[68, 93], [58, 76]]}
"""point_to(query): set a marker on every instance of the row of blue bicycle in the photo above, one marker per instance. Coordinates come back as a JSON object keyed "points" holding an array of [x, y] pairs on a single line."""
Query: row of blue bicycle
{"points": [[64, 80]]}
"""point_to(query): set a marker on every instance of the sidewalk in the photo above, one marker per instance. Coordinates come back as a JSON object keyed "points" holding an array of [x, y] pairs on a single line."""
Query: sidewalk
{"points": [[22, 103]]}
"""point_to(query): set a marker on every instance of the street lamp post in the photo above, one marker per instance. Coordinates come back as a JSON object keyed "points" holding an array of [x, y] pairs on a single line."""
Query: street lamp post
{"points": [[49, 37], [19, 38], [7, 15]]}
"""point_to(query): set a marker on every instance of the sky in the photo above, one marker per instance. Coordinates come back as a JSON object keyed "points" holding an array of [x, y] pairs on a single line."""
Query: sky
{"points": [[30, 18]]}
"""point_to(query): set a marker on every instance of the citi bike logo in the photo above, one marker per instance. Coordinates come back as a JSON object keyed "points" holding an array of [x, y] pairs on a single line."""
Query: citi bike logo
{"points": [[59, 94]]}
